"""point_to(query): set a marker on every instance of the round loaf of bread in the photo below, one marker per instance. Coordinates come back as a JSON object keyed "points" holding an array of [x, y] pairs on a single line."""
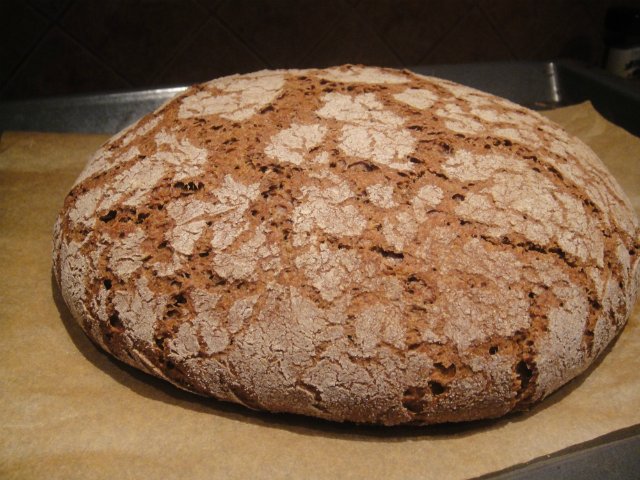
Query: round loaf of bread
{"points": [[356, 244]]}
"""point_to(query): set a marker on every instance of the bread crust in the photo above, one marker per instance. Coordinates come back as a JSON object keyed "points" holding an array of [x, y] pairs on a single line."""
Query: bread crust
{"points": [[355, 244]]}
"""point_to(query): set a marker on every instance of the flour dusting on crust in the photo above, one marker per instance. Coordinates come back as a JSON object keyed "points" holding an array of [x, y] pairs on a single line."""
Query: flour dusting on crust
{"points": [[354, 243]]}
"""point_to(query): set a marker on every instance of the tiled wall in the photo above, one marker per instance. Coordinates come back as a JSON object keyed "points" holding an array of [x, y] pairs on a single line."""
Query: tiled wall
{"points": [[53, 47]]}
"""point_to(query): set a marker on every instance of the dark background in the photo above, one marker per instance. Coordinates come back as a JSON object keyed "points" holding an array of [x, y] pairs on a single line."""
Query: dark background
{"points": [[56, 47]]}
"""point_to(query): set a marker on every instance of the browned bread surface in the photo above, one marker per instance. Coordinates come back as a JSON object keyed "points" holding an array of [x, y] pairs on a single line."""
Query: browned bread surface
{"points": [[353, 243]]}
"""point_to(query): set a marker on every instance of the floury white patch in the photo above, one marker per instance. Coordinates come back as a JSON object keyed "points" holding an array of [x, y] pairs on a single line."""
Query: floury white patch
{"points": [[241, 97]]}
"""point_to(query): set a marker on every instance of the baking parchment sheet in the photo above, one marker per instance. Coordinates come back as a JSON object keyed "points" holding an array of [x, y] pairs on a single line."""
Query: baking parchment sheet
{"points": [[70, 411]]}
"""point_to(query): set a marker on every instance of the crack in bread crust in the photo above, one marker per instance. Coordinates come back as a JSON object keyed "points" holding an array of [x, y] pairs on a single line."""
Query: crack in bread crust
{"points": [[356, 244]]}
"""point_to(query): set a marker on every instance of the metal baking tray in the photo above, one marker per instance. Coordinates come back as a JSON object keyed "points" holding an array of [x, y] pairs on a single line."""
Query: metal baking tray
{"points": [[537, 85]]}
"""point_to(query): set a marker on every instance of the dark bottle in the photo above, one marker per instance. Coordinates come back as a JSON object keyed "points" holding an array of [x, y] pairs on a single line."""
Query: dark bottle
{"points": [[622, 38]]}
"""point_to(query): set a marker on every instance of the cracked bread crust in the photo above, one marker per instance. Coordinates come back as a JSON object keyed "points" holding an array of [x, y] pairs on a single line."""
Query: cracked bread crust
{"points": [[356, 244]]}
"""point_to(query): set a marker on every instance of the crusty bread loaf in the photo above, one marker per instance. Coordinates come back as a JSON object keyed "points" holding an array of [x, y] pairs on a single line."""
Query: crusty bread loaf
{"points": [[354, 243]]}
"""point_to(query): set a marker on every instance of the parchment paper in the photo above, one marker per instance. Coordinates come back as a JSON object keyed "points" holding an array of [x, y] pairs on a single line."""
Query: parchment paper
{"points": [[69, 411]]}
